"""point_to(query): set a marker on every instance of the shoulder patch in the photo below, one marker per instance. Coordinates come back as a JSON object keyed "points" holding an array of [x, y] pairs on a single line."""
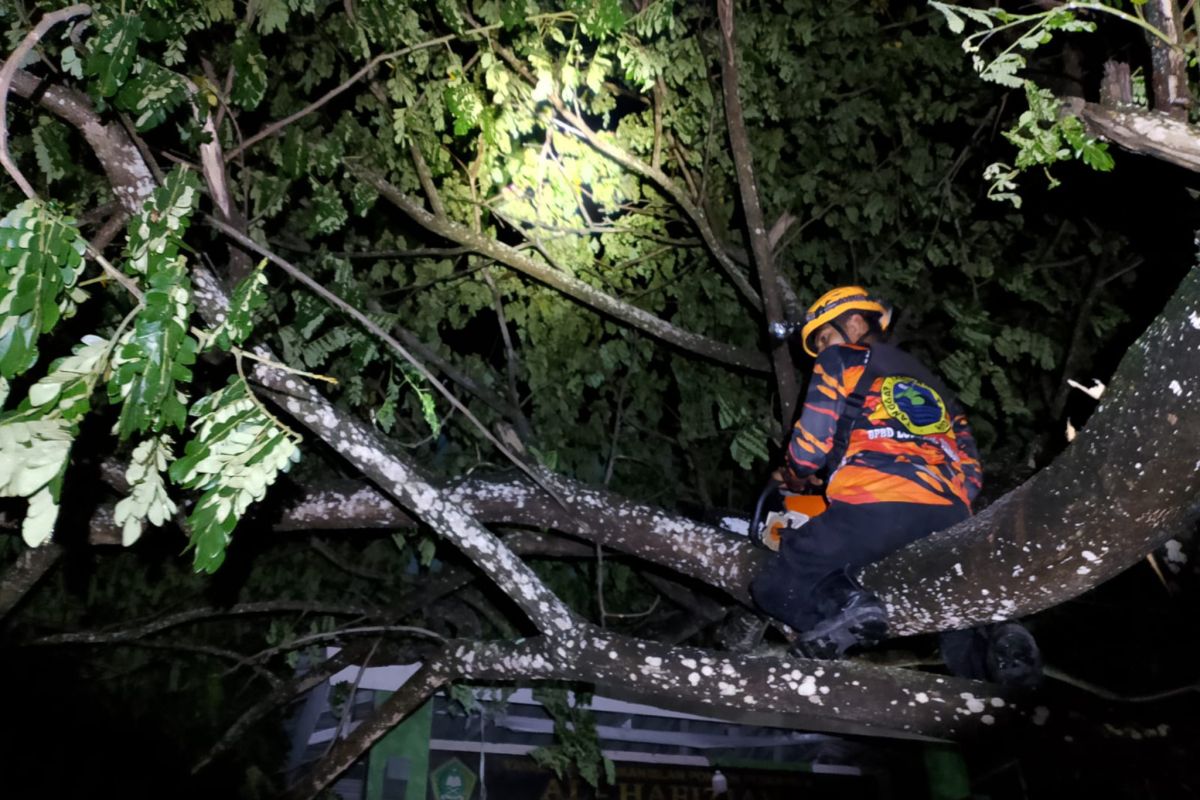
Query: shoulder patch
{"points": [[914, 405]]}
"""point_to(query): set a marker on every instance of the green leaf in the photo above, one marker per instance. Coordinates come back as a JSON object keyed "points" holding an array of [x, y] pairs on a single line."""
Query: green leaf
{"points": [[427, 549], [112, 53], [147, 501], [248, 296], [66, 390], [33, 456], [41, 255], [155, 235], [249, 72], [156, 354], [512, 14], [293, 153], [236, 452], [38, 526], [328, 213], [748, 446], [953, 20], [1003, 70], [50, 149], [1095, 154], [152, 95], [268, 193], [71, 63], [727, 415], [272, 16], [464, 105]]}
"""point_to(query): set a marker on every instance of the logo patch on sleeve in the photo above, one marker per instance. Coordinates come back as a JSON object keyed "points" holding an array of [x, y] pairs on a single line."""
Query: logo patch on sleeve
{"points": [[914, 405]]}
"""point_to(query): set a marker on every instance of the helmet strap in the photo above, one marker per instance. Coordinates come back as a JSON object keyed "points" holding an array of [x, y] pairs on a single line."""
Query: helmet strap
{"points": [[837, 326]]}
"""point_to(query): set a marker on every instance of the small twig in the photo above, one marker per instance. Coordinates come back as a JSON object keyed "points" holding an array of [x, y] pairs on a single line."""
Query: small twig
{"points": [[237, 362], [616, 434], [421, 252], [426, 179], [301, 684], [333, 558], [283, 367], [348, 711], [323, 637], [209, 650], [11, 65], [148, 627], [639, 614], [600, 585], [660, 91], [1109, 694], [116, 274]]}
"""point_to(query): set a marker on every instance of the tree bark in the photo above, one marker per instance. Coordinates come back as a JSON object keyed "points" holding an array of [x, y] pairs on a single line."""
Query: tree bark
{"points": [[24, 573], [756, 226], [1129, 482], [1149, 133], [1169, 80]]}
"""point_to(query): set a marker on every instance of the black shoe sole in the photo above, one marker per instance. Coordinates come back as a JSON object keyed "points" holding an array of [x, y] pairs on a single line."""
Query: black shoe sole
{"points": [[865, 626]]}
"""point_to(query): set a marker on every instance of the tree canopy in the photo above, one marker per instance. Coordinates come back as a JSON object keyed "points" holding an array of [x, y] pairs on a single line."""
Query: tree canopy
{"points": [[373, 304]]}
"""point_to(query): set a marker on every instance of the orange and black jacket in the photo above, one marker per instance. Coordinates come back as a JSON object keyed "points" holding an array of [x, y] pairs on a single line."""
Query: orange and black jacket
{"points": [[909, 443]]}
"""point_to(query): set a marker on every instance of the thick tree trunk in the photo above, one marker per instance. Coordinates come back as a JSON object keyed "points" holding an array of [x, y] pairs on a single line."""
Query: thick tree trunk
{"points": [[1169, 79], [1129, 482]]}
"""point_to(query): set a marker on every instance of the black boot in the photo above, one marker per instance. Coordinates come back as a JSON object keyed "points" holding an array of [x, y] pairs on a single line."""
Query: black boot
{"points": [[742, 630], [850, 616], [1013, 658]]}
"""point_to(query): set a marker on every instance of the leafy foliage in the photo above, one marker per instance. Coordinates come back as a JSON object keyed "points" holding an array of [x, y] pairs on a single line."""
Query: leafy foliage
{"points": [[112, 52], [236, 452], [36, 437], [147, 500], [156, 234], [1043, 135], [155, 355], [33, 456], [248, 297], [576, 745], [40, 257]]}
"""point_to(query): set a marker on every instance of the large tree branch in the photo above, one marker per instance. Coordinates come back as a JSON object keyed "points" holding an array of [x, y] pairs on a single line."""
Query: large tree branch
{"points": [[756, 226], [435, 673], [126, 170], [24, 573], [563, 282], [9, 70], [847, 697], [1129, 482], [1150, 133], [370, 453]]}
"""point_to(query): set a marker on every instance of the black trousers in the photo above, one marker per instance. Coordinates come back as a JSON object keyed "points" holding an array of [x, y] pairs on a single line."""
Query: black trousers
{"points": [[846, 535]]}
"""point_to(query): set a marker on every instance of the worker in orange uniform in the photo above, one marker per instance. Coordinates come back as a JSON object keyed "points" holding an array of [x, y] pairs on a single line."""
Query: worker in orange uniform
{"points": [[901, 464]]}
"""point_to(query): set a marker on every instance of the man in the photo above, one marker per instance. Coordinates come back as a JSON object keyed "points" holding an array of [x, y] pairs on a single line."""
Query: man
{"points": [[901, 464]]}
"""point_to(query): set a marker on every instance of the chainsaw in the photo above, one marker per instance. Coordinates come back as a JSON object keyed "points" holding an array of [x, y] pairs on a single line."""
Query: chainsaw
{"points": [[777, 509]]}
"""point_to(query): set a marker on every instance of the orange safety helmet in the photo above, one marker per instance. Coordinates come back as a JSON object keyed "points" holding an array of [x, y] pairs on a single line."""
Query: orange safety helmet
{"points": [[836, 302]]}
